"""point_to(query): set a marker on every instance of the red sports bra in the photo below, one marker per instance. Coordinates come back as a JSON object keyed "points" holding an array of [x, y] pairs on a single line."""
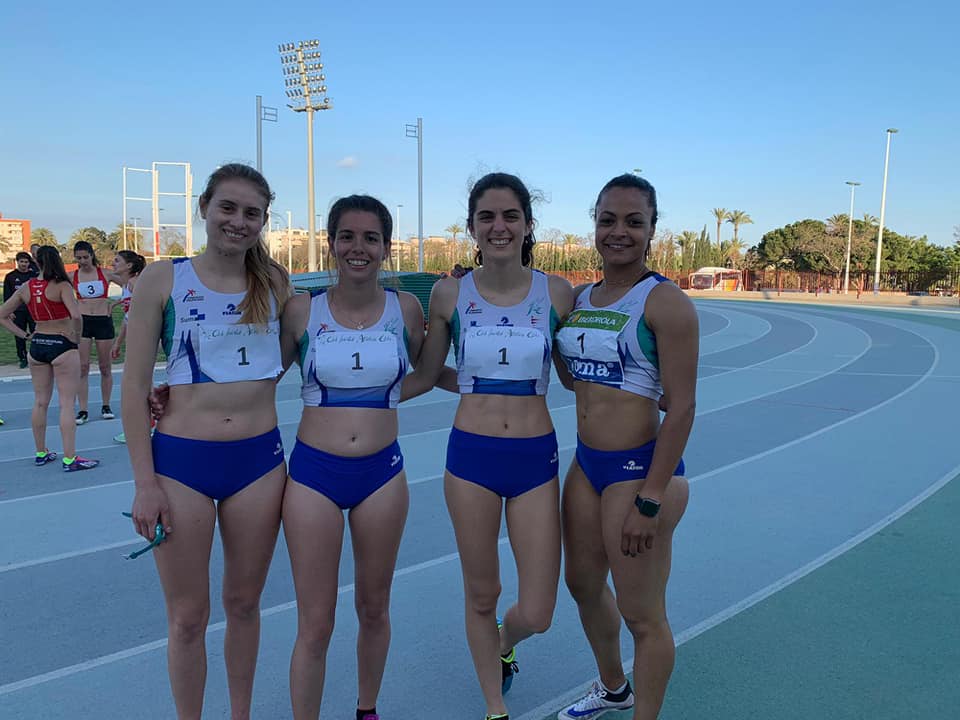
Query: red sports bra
{"points": [[90, 289], [43, 308]]}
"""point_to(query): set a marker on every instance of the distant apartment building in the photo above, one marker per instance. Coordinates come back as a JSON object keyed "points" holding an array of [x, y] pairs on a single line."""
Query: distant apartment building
{"points": [[14, 237]]}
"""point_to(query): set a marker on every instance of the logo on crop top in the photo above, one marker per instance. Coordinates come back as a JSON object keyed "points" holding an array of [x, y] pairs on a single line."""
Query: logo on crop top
{"points": [[504, 322], [323, 329], [632, 465], [231, 310], [192, 296], [194, 316], [390, 326], [472, 308]]}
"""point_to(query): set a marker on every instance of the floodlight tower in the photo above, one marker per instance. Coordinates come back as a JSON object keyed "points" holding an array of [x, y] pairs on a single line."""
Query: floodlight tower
{"points": [[304, 78]]}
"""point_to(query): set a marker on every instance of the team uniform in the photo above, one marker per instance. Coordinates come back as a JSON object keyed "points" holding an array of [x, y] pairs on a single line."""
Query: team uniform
{"points": [[342, 367], [205, 342], [613, 346], [45, 348], [503, 351], [95, 327]]}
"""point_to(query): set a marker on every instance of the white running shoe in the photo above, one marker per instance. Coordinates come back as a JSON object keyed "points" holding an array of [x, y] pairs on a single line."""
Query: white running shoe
{"points": [[597, 702]]}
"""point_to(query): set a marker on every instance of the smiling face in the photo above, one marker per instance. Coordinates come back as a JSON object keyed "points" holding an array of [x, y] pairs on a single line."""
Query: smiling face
{"points": [[624, 225], [358, 244], [499, 225], [234, 216]]}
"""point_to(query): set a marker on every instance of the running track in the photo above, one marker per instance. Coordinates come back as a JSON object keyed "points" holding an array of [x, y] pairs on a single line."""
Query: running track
{"points": [[816, 427]]}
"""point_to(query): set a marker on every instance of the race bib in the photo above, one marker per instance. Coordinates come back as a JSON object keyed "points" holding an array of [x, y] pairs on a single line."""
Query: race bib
{"points": [[588, 344], [90, 288], [235, 353], [361, 359], [503, 353]]}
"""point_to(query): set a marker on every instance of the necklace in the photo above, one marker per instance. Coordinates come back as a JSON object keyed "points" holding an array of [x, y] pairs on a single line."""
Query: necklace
{"points": [[624, 283], [358, 324]]}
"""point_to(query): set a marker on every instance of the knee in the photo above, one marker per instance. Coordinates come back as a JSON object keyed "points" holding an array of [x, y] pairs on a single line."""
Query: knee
{"points": [[584, 588], [483, 600], [536, 619], [104, 363], [188, 625], [643, 624], [241, 606], [314, 632], [373, 609], [84, 369], [41, 405]]}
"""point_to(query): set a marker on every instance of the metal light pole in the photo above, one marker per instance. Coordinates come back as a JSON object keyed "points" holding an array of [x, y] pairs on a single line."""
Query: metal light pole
{"points": [[323, 250], [846, 272], [416, 131], [304, 80], [397, 254], [289, 242], [136, 235], [264, 112], [883, 207]]}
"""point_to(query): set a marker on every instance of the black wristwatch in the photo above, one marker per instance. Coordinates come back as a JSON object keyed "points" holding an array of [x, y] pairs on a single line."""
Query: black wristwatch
{"points": [[647, 507]]}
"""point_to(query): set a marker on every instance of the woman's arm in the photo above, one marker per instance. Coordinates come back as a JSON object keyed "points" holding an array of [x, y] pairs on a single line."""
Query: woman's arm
{"points": [[413, 322], [563, 297], [293, 323], [19, 297], [69, 298], [443, 303], [145, 325]]}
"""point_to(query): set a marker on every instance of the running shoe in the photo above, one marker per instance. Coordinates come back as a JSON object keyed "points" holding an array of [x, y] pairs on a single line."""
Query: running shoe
{"points": [[508, 664], [23, 363], [121, 438], [498, 717], [596, 702], [82, 417], [1, 421], [106, 413], [369, 716], [44, 458], [78, 464]]}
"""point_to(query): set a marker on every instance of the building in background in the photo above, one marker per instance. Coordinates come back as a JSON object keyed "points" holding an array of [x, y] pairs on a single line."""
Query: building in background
{"points": [[14, 237]]}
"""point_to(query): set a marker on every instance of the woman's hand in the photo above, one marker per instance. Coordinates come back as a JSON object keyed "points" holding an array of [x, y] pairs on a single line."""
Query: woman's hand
{"points": [[638, 532], [150, 506], [159, 397], [115, 351]]}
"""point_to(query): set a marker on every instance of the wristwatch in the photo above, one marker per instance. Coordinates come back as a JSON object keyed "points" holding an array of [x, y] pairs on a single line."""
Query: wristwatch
{"points": [[646, 506]]}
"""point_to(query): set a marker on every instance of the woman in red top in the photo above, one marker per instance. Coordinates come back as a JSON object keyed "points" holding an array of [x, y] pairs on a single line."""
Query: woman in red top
{"points": [[53, 353], [92, 286]]}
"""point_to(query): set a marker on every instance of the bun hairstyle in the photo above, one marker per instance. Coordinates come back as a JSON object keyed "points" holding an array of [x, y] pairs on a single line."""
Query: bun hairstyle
{"points": [[136, 261], [505, 181], [264, 275]]}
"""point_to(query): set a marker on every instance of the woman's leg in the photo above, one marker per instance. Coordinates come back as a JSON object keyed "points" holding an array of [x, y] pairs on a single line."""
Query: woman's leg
{"points": [[376, 526], [475, 513], [83, 390], [641, 584], [249, 524], [104, 362], [313, 529], [42, 376], [533, 523], [585, 571], [66, 368], [183, 561]]}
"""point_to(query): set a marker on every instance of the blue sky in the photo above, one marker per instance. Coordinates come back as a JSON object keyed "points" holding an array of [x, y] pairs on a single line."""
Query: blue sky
{"points": [[763, 107]]}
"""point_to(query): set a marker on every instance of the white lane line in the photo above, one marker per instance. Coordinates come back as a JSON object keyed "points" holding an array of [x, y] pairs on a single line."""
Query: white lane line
{"points": [[65, 492], [552, 706], [69, 670], [67, 555]]}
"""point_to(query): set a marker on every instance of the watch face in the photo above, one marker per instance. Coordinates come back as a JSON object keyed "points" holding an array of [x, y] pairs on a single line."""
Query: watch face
{"points": [[647, 507]]}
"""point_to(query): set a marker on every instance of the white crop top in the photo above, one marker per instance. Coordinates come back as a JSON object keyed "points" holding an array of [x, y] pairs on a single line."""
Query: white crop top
{"points": [[612, 345], [504, 350], [342, 367], [204, 340]]}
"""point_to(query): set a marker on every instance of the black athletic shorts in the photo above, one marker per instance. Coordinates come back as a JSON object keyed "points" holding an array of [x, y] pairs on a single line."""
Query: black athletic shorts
{"points": [[47, 348], [97, 327]]}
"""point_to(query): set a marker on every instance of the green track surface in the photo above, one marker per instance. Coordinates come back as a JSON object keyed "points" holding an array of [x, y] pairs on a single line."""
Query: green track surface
{"points": [[872, 635]]}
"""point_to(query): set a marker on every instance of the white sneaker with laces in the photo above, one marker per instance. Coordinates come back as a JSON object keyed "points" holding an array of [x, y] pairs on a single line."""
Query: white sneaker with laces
{"points": [[595, 703]]}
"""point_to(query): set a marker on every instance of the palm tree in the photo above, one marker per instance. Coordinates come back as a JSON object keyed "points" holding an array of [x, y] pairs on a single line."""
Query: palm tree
{"points": [[837, 224], [720, 214], [454, 229], [738, 218], [871, 220], [730, 250]]}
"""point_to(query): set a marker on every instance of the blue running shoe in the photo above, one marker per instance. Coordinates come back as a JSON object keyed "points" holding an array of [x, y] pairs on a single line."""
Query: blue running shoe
{"points": [[44, 458], [508, 664], [79, 463], [597, 702]]}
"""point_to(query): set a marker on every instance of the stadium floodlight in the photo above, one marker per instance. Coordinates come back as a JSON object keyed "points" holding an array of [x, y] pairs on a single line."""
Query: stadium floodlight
{"points": [[883, 206], [416, 131], [306, 89]]}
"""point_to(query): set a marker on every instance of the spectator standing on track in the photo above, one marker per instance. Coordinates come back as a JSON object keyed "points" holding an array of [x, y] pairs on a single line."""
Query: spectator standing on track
{"points": [[127, 266], [92, 286], [217, 457], [53, 354], [502, 450], [22, 274], [630, 343], [354, 342]]}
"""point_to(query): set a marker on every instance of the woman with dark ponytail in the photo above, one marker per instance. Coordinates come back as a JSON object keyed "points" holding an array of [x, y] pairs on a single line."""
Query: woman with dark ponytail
{"points": [[502, 451], [216, 457]]}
